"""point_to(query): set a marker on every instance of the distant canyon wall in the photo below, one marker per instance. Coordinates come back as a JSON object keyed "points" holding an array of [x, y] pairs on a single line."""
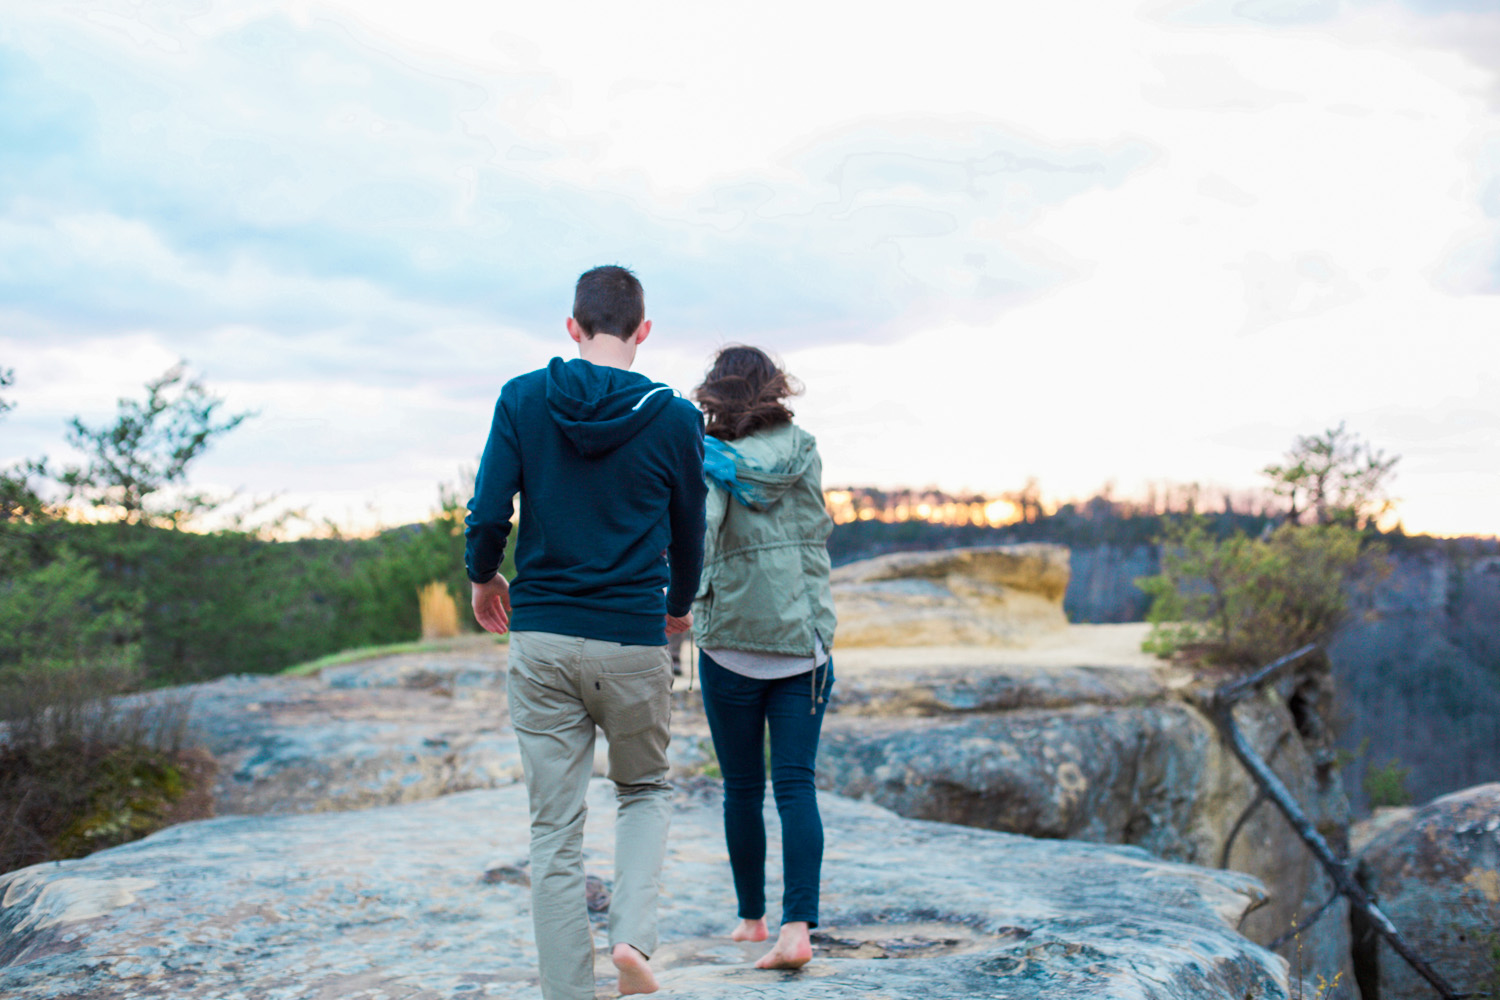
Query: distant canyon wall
{"points": [[1418, 674], [1417, 667]]}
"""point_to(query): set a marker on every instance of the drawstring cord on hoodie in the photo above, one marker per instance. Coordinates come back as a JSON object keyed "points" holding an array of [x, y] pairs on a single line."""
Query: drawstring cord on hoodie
{"points": [[660, 388]]}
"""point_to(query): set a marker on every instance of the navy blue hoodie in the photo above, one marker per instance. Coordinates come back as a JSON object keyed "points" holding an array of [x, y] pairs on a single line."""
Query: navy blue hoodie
{"points": [[609, 466]]}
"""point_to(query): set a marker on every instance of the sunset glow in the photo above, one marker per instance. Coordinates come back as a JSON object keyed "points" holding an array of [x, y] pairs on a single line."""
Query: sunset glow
{"points": [[932, 506]]}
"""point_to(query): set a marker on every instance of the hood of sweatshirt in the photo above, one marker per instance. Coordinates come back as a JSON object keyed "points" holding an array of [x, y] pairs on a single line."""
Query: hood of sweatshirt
{"points": [[599, 408], [758, 469]]}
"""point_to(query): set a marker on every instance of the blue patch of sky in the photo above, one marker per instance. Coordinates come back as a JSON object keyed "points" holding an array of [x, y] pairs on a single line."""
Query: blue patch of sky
{"points": [[246, 174]]}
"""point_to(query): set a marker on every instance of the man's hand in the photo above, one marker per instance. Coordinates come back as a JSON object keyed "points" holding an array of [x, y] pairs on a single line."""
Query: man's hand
{"points": [[492, 605], [676, 625]]}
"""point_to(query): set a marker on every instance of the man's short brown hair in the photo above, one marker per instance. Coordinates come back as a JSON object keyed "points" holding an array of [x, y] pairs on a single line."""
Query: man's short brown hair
{"points": [[610, 300]]}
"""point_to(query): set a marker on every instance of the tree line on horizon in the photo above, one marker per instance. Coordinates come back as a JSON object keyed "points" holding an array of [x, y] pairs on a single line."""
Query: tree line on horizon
{"points": [[1330, 478], [1028, 504], [97, 569]]}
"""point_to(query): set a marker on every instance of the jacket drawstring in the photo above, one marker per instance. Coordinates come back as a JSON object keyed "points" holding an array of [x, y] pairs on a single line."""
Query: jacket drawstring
{"points": [[815, 694], [816, 691]]}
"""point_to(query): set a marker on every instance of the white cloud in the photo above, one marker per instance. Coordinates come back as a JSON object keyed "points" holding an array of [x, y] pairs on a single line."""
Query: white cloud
{"points": [[1086, 242]]}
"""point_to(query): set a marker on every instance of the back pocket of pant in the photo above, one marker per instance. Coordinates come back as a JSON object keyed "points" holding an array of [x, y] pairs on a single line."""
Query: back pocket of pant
{"points": [[636, 700]]}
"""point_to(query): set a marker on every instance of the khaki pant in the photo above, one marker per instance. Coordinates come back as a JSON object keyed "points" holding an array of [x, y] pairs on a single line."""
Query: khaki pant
{"points": [[560, 687]]}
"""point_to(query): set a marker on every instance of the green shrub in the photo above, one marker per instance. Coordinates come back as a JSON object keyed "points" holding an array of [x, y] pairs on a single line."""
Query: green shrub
{"points": [[1239, 601], [1386, 786]]}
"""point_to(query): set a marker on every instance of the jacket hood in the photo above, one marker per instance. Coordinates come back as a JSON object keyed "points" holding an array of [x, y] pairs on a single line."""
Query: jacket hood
{"points": [[599, 408], [758, 469]]}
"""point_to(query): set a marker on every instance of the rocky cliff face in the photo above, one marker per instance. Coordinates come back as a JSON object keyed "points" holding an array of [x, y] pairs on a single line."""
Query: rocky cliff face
{"points": [[1101, 583], [1071, 732], [1418, 673], [1086, 738], [1416, 669], [1076, 736]]}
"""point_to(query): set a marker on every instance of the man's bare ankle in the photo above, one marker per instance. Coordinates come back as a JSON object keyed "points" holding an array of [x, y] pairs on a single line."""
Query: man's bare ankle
{"points": [[635, 974], [628, 954]]}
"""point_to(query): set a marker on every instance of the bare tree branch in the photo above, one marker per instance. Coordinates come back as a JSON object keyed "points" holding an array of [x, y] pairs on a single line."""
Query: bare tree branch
{"points": [[1221, 709]]}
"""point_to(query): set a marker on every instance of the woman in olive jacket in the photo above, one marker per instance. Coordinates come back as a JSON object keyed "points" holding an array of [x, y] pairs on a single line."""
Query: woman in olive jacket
{"points": [[764, 621]]}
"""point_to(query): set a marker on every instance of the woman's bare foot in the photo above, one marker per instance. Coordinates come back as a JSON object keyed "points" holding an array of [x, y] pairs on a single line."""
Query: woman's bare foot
{"points": [[749, 930], [793, 948], [635, 975]]}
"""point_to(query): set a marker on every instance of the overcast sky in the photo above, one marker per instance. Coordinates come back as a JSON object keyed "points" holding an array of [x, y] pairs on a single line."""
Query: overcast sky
{"points": [[1082, 240]]}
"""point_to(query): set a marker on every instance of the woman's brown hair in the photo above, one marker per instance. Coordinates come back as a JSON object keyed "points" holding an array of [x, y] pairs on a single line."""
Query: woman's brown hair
{"points": [[743, 392]]}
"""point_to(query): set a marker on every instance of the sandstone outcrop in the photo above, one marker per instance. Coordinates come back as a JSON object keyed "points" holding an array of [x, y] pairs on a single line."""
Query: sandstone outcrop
{"points": [[421, 901], [1435, 871], [396, 729], [1003, 595], [400, 728], [1084, 737]]}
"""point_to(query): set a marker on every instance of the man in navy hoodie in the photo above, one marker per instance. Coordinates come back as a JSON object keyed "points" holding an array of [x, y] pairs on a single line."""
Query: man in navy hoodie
{"points": [[609, 466]]}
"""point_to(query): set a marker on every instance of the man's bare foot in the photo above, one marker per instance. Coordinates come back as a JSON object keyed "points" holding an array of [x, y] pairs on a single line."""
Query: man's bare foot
{"points": [[749, 930], [635, 975], [792, 950]]}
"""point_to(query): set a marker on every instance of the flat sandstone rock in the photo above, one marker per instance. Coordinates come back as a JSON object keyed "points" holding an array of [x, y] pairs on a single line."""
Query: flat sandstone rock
{"points": [[392, 729], [429, 900]]}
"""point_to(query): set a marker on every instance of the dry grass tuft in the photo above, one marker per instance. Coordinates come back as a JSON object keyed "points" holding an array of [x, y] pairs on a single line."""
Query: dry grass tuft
{"points": [[439, 611]]}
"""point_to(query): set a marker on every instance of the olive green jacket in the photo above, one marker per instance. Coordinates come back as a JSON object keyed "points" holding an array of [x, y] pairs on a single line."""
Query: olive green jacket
{"points": [[765, 563]]}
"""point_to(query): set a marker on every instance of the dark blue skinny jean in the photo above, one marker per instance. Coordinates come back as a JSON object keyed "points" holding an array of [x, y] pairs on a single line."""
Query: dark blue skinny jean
{"points": [[739, 709]]}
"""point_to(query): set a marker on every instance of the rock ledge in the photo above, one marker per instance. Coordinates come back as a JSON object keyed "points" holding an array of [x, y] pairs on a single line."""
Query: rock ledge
{"points": [[394, 903]]}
